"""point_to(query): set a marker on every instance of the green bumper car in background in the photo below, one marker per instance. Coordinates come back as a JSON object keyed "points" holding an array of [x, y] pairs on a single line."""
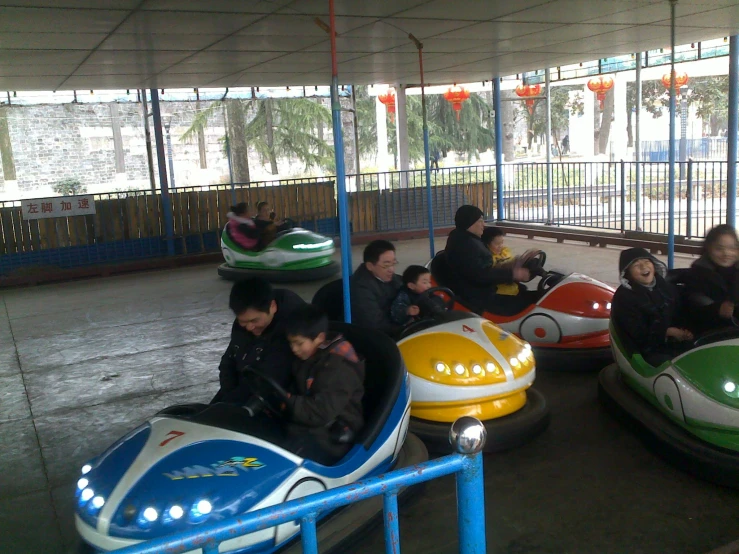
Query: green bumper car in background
{"points": [[294, 255]]}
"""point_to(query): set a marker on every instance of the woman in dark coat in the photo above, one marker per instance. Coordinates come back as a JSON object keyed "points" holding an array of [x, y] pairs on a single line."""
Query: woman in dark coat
{"points": [[471, 266], [712, 283]]}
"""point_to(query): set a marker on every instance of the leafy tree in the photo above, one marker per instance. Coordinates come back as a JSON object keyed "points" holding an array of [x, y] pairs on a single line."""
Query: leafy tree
{"points": [[710, 94], [650, 95], [69, 187], [284, 127], [561, 105]]}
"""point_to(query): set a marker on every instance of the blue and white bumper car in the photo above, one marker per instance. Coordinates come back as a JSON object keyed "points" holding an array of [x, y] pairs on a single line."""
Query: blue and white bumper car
{"points": [[203, 463]]}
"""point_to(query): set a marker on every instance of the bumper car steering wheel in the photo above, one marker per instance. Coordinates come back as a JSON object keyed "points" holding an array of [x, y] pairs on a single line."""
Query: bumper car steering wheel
{"points": [[535, 264], [435, 291], [268, 394]]}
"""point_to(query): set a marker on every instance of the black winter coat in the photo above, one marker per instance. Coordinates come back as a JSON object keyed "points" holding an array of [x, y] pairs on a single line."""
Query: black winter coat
{"points": [[471, 264], [706, 288], [327, 389], [643, 316], [328, 386], [371, 300], [268, 353]]}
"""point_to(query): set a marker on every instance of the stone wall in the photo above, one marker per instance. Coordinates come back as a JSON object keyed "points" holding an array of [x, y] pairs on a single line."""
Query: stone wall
{"points": [[55, 142], [52, 142]]}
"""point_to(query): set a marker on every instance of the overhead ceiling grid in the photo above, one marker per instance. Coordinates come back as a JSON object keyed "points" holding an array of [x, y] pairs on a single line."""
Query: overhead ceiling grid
{"points": [[104, 44]]}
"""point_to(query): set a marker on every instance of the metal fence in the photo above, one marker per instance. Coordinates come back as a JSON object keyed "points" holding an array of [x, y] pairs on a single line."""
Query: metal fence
{"points": [[308, 510], [129, 225], [618, 196], [706, 148]]}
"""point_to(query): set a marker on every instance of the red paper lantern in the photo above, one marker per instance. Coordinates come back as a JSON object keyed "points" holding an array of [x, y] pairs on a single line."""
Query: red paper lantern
{"points": [[681, 79], [456, 95], [600, 86], [388, 98], [525, 91]]}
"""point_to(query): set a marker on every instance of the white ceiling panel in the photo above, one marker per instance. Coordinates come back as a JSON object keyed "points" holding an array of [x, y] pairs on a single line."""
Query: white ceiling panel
{"points": [[275, 43], [44, 20], [141, 57], [173, 43], [226, 6], [34, 58], [50, 41], [471, 10], [190, 23]]}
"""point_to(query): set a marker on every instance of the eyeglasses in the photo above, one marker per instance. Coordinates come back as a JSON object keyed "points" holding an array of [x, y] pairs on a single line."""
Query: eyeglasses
{"points": [[388, 265]]}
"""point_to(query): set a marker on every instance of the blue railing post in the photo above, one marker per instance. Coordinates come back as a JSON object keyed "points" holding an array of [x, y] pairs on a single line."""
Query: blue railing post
{"points": [[623, 196], [426, 153], [392, 529], [308, 535], [500, 215], [733, 132], [689, 195], [343, 198], [467, 436], [671, 188], [162, 163]]}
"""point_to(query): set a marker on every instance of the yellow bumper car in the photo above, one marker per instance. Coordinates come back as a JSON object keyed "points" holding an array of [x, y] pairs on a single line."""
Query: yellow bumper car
{"points": [[461, 364]]}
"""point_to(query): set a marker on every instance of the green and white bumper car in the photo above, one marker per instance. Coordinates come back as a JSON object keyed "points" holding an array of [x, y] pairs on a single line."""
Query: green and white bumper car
{"points": [[294, 255], [686, 409]]}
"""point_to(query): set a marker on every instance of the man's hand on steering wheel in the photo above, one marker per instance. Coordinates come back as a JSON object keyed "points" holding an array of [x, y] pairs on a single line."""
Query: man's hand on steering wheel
{"points": [[271, 396]]}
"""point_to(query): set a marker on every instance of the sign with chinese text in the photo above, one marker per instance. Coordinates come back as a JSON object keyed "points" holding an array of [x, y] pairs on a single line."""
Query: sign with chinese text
{"points": [[61, 206]]}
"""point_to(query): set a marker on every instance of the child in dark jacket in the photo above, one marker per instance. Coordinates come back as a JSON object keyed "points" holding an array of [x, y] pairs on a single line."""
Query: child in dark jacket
{"points": [[325, 396], [409, 304], [645, 308], [712, 283]]}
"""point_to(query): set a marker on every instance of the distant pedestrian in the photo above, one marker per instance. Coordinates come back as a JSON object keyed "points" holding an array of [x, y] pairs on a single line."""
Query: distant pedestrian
{"points": [[435, 157]]}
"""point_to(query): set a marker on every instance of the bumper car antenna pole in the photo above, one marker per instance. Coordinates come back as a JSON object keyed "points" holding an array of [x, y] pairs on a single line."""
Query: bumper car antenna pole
{"points": [[426, 153], [343, 204], [671, 189]]}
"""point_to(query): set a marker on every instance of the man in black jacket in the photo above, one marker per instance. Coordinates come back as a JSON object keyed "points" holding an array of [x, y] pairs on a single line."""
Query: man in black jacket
{"points": [[374, 286], [474, 277], [258, 339]]}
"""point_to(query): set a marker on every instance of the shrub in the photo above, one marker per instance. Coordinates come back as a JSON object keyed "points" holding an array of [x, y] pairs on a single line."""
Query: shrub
{"points": [[69, 187]]}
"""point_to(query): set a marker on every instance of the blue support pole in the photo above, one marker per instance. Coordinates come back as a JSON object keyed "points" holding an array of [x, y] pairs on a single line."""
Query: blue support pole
{"points": [[471, 503], [500, 215], [309, 537], [392, 529], [733, 133], [162, 163], [426, 153], [671, 189], [343, 200]]}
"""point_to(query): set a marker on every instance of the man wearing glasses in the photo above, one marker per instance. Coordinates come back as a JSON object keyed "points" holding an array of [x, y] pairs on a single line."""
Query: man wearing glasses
{"points": [[374, 286]]}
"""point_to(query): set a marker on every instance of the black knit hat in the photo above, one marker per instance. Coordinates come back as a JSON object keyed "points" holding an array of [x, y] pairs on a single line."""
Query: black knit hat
{"points": [[467, 216]]}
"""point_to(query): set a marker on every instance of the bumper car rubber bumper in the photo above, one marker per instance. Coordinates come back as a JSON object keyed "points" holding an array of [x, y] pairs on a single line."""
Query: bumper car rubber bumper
{"points": [[280, 275], [664, 437], [504, 433], [572, 359]]}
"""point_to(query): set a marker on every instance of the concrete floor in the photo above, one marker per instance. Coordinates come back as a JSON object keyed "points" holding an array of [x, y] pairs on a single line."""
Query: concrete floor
{"points": [[81, 363]]}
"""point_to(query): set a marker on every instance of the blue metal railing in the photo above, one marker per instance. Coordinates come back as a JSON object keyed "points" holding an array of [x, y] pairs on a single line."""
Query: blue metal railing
{"points": [[307, 510], [129, 225]]}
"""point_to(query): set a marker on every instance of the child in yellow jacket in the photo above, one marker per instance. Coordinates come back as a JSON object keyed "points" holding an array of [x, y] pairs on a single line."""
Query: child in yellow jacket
{"points": [[492, 237]]}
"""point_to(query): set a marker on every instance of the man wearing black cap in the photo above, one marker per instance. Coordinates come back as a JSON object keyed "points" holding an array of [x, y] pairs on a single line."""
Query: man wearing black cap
{"points": [[475, 278]]}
